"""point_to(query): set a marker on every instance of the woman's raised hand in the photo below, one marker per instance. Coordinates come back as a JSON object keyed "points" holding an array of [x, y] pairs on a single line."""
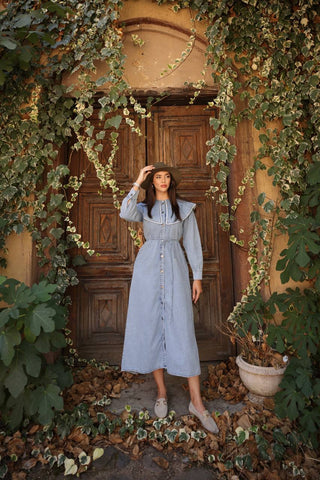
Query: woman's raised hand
{"points": [[144, 172]]}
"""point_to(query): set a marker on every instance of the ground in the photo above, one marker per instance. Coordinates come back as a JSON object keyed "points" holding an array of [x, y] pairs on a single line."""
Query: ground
{"points": [[122, 440]]}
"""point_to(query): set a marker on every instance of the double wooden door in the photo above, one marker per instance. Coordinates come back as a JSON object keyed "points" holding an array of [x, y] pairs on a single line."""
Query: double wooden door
{"points": [[176, 136]]}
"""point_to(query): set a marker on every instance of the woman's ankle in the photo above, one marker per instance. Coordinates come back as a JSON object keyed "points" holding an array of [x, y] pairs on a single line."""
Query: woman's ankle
{"points": [[161, 394], [198, 405]]}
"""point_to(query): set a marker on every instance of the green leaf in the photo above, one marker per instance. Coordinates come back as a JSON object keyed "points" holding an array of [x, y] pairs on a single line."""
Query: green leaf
{"points": [[3, 470], [114, 121], [43, 290], [28, 335], [61, 373], [302, 258], [57, 339], [269, 206], [8, 290], [4, 317], [141, 433], [261, 198], [40, 317], [59, 10], [42, 343], [16, 380], [171, 434], [45, 401], [57, 232], [9, 43], [22, 20], [15, 407], [24, 296], [8, 340], [31, 360], [215, 123], [78, 260], [287, 119]]}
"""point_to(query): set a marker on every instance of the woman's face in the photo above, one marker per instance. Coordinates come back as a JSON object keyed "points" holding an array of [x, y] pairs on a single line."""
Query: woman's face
{"points": [[161, 181]]}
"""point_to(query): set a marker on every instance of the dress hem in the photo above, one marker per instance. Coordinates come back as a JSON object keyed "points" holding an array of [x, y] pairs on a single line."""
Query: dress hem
{"points": [[145, 372]]}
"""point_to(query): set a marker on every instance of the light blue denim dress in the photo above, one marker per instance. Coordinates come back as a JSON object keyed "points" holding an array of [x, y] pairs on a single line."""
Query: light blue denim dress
{"points": [[160, 328]]}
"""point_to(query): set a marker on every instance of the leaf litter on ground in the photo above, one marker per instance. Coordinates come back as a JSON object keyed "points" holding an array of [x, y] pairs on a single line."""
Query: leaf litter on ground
{"points": [[252, 444]]}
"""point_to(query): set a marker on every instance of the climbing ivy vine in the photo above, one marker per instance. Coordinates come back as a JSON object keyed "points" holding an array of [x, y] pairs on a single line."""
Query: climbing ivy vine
{"points": [[265, 54]]}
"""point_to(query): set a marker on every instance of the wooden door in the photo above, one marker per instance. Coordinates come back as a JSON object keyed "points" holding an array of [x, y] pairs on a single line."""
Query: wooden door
{"points": [[177, 136]]}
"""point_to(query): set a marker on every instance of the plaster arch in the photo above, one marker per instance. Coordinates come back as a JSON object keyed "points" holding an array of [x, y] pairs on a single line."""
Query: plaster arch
{"points": [[146, 66]]}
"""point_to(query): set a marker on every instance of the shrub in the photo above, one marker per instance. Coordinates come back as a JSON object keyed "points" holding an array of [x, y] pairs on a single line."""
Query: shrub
{"points": [[30, 326]]}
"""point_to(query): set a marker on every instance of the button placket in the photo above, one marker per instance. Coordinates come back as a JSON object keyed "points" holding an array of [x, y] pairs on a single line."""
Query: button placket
{"points": [[162, 273]]}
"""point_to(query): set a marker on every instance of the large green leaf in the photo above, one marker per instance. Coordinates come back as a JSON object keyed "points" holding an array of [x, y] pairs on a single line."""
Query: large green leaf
{"points": [[8, 290], [14, 410], [43, 290], [9, 43], [8, 340], [4, 317], [22, 20], [16, 380], [40, 317], [24, 296], [45, 401], [28, 356], [42, 344], [61, 373]]}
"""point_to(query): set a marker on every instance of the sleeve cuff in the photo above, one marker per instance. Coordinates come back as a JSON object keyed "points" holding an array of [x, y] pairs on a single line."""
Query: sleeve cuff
{"points": [[133, 192], [197, 275]]}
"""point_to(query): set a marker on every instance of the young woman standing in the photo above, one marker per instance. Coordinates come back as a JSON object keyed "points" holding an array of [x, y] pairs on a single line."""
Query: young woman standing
{"points": [[160, 329]]}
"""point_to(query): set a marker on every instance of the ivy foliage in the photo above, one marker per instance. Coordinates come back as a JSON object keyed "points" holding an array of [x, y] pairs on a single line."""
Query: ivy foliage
{"points": [[263, 53]]}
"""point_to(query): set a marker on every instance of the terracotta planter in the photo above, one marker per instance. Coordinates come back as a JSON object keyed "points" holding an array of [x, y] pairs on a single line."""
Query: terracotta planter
{"points": [[260, 381]]}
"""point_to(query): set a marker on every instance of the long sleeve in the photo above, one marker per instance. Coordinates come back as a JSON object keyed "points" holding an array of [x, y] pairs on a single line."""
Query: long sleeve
{"points": [[192, 245], [129, 208]]}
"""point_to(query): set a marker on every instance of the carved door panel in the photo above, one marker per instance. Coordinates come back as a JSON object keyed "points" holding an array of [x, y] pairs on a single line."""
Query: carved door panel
{"points": [[177, 136], [99, 301]]}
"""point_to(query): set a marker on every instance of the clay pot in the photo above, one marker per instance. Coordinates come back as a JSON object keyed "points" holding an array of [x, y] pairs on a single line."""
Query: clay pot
{"points": [[260, 381]]}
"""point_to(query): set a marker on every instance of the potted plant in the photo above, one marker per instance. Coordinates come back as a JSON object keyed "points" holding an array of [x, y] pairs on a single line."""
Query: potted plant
{"points": [[261, 367]]}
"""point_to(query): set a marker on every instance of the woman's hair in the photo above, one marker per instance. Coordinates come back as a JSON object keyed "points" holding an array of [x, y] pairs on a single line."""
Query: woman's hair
{"points": [[150, 197]]}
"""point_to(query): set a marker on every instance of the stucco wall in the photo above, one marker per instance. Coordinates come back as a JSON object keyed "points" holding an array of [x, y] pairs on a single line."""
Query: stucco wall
{"points": [[19, 258]]}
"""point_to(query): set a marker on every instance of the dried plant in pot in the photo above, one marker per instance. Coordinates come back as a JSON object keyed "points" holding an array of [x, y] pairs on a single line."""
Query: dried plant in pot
{"points": [[261, 367]]}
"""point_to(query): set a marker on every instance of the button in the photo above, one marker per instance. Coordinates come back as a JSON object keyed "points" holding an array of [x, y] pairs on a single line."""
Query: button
{"points": [[161, 256], [161, 271]]}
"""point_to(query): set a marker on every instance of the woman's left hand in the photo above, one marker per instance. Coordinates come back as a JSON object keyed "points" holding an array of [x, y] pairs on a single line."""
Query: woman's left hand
{"points": [[196, 290]]}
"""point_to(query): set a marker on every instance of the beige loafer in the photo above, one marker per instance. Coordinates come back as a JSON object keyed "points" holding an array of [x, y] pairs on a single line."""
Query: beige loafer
{"points": [[161, 407], [205, 418]]}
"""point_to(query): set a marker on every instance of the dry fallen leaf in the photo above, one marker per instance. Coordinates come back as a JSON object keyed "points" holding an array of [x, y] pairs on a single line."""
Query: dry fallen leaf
{"points": [[135, 450], [115, 438], [18, 476], [244, 422], [29, 463], [161, 461]]}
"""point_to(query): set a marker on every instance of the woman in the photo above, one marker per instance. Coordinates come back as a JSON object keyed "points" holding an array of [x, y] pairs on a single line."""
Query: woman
{"points": [[160, 329]]}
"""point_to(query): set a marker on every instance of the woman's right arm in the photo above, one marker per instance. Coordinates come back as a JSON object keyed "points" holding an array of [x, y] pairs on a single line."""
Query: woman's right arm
{"points": [[129, 210]]}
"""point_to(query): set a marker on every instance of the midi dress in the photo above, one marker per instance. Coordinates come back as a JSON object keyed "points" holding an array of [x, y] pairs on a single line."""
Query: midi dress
{"points": [[159, 329]]}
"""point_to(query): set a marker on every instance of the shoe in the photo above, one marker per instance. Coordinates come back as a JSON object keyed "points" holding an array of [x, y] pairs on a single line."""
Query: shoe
{"points": [[161, 407], [205, 418]]}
